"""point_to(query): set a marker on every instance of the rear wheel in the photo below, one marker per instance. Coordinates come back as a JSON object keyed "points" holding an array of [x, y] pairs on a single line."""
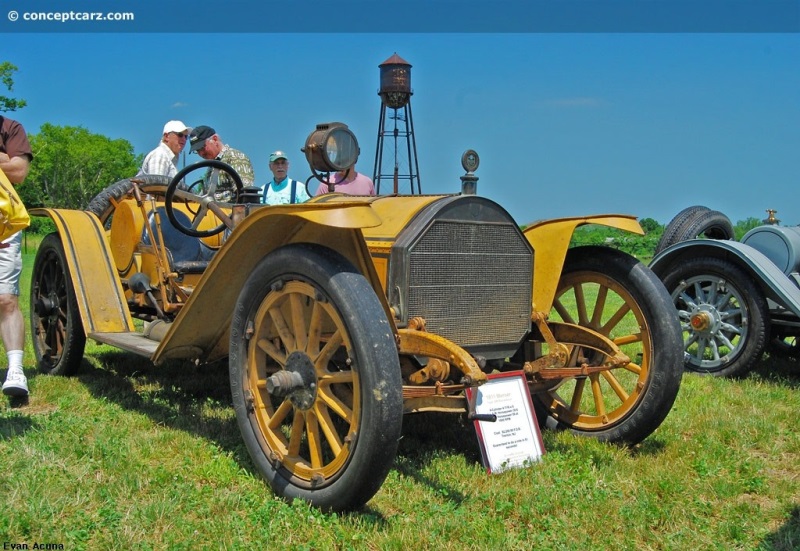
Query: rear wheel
{"points": [[315, 378], [612, 293], [56, 326], [723, 315]]}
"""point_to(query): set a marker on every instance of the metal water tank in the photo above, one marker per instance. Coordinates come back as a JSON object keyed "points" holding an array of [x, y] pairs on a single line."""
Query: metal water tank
{"points": [[781, 244]]}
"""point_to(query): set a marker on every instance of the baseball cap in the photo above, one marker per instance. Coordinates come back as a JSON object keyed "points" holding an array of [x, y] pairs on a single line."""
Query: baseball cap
{"points": [[277, 155], [175, 126], [199, 136]]}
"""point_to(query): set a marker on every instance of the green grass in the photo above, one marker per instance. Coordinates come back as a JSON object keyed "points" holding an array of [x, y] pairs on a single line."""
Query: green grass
{"points": [[128, 455]]}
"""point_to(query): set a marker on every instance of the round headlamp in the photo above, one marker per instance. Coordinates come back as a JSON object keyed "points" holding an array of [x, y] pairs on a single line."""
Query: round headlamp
{"points": [[331, 147]]}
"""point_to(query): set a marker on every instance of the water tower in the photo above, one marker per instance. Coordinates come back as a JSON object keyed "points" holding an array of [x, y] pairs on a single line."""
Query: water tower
{"points": [[396, 157]]}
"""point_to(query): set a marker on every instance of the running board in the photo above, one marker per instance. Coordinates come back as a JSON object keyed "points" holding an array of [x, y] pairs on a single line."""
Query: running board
{"points": [[131, 341]]}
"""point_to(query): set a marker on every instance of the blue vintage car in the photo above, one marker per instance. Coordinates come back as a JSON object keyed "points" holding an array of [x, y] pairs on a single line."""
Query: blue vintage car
{"points": [[734, 298]]}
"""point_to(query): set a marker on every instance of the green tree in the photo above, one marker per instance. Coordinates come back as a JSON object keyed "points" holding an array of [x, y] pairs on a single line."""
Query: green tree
{"points": [[649, 225], [744, 226], [71, 165], [7, 70]]}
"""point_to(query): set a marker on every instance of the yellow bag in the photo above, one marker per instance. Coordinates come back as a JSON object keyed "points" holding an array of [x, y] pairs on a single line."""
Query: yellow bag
{"points": [[13, 215]]}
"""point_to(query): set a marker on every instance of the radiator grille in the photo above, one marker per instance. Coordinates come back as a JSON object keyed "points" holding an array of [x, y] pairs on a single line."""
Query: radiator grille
{"points": [[471, 282]]}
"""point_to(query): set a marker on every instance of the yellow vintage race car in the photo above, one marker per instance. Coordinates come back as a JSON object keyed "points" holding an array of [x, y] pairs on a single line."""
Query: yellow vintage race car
{"points": [[340, 315]]}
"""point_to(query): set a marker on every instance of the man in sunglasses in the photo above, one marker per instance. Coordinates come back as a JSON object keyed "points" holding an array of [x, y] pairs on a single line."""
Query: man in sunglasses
{"points": [[163, 159], [206, 142]]}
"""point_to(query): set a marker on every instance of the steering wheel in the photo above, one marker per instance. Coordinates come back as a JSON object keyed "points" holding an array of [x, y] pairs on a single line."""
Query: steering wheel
{"points": [[204, 199]]}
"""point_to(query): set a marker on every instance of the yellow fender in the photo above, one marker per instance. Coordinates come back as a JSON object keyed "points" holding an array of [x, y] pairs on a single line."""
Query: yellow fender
{"points": [[101, 299], [550, 240], [202, 327]]}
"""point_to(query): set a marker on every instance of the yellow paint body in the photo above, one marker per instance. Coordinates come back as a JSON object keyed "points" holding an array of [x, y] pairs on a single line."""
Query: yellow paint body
{"points": [[550, 241], [362, 229]]}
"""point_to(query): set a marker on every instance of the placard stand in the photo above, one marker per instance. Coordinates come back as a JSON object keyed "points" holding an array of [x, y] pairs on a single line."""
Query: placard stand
{"points": [[514, 440]]}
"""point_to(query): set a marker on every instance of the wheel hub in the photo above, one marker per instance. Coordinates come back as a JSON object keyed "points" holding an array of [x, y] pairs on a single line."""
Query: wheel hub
{"points": [[705, 319], [297, 381], [46, 306]]}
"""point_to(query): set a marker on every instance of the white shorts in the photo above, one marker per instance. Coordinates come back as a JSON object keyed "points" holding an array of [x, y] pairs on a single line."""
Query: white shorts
{"points": [[11, 265]]}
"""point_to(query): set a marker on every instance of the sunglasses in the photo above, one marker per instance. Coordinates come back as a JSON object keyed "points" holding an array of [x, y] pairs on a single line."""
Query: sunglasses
{"points": [[199, 149], [181, 135]]}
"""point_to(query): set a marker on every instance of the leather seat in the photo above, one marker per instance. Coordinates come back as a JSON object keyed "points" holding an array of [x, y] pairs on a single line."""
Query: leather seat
{"points": [[186, 254]]}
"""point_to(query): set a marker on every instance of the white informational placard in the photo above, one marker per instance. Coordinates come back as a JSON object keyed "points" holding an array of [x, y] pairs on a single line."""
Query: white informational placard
{"points": [[514, 440]]}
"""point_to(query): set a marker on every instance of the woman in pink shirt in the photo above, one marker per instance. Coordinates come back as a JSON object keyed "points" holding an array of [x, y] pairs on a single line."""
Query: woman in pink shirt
{"points": [[350, 182]]}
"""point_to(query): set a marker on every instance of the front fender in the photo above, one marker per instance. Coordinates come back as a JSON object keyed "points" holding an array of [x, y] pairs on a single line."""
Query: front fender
{"points": [[771, 279], [550, 240], [204, 322]]}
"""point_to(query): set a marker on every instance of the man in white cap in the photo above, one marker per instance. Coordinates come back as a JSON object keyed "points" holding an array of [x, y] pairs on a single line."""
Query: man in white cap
{"points": [[282, 190], [163, 159]]}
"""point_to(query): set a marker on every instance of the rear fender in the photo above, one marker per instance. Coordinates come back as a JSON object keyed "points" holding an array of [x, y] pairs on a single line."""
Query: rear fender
{"points": [[98, 290], [202, 327], [550, 240], [771, 279]]}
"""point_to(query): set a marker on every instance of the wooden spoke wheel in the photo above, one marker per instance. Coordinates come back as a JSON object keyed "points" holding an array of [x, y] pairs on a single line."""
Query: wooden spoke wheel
{"points": [[612, 293], [315, 378], [56, 327]]}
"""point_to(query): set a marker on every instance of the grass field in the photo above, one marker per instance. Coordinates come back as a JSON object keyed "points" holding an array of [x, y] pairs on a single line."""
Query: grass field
{"points": [[130, 456]]}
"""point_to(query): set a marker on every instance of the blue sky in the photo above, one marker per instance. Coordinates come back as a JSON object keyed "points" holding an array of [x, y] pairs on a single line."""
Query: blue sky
{"points": [[565, 124]]}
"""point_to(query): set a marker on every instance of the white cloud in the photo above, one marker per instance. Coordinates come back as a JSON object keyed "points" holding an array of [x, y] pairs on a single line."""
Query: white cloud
{"points": [[179, 104]]}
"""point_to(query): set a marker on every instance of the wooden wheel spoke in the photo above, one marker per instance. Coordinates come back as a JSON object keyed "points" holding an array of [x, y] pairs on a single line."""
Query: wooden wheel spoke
{"points": [[633, 368], [562, 311], [314, 329], [328, 428], [618, 316], [580, 303], [599, 307], [298, 320], [298, 426], [615, 385], [272, 351], [627, 339], [597, 394], [277, 418], [337, 377], [282, 328], [577, 394], [326, 354], [313, 440], [335, 404]]}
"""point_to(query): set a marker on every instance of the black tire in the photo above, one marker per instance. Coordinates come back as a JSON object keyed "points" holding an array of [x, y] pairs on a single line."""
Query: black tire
{"points": [[297, 299], [669, 237], [105, 202], [56, 327], [711, 225], [724, 339], [614, 294]]}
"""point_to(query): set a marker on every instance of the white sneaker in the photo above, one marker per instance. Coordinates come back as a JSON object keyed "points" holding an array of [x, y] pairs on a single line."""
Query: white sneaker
{"points": [[16, 384]]}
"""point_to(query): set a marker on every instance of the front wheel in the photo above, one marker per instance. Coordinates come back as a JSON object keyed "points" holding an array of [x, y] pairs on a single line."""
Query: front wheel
{"points": [[614, 294], [315, 378], [56, 326], [723, 315]]}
